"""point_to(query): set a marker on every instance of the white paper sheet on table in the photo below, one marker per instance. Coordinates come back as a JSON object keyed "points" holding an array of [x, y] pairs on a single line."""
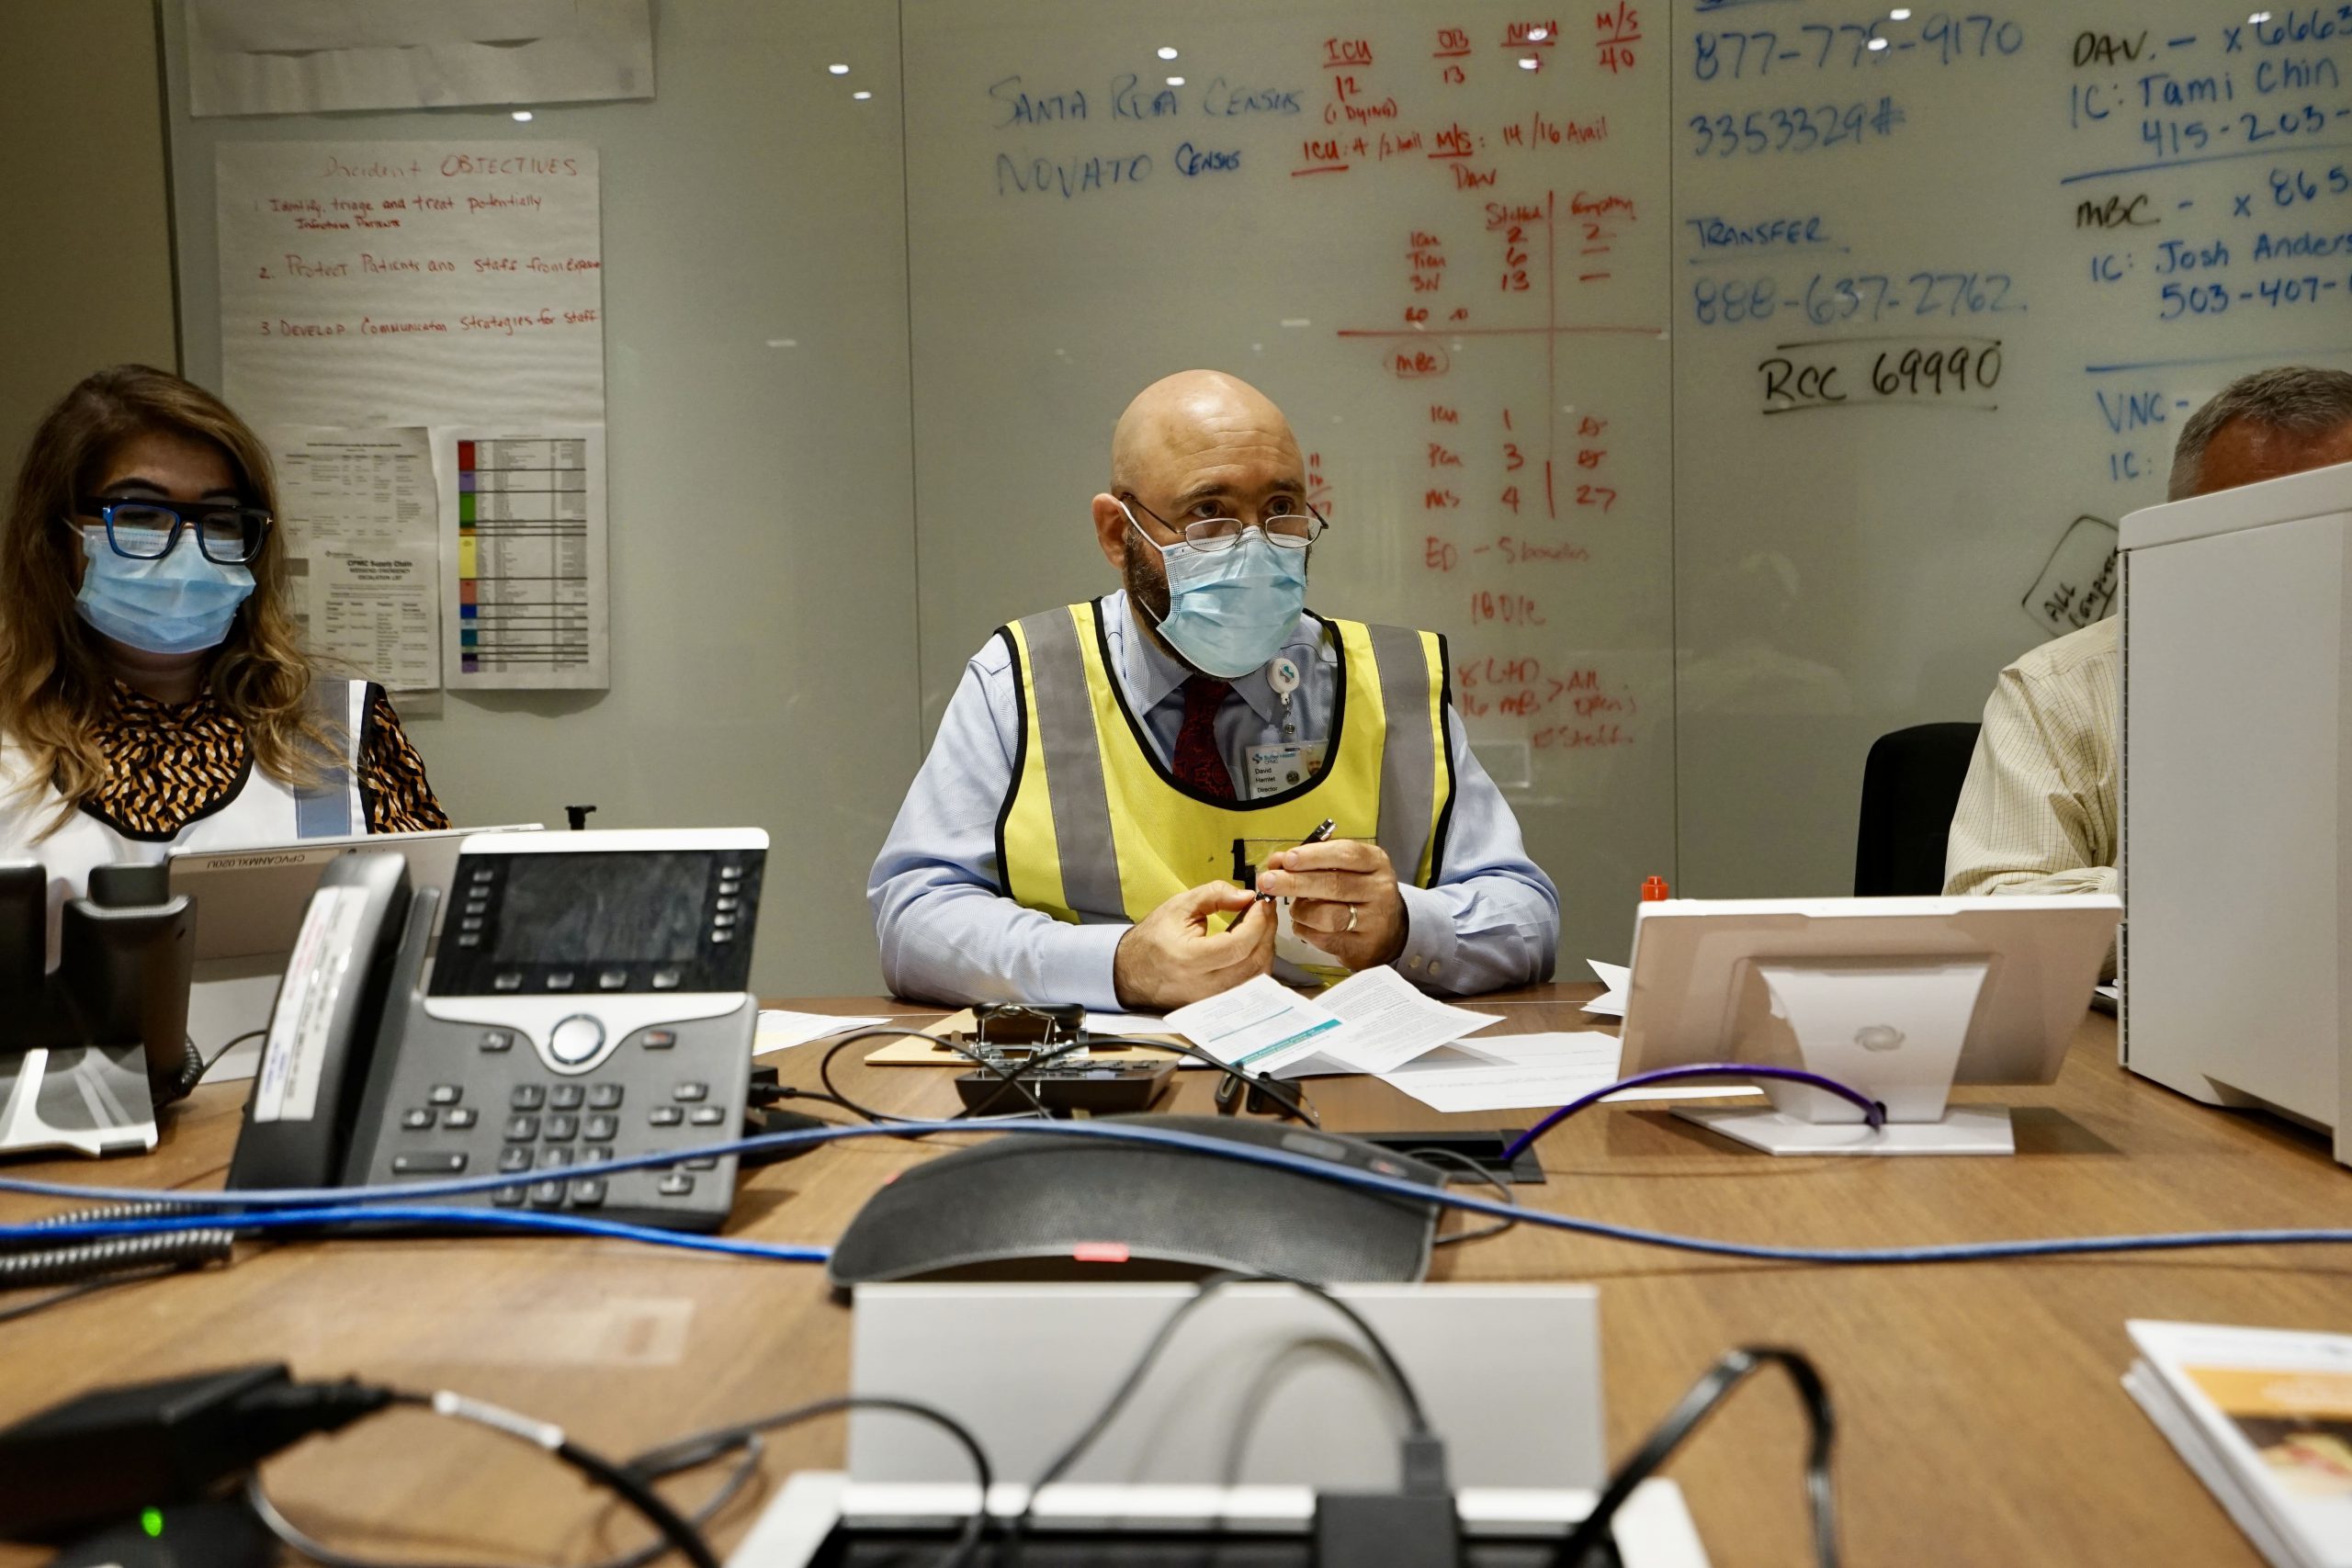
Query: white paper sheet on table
{"points": [[1611, 1003], [1386, 1022], [315, 56], [1368, 1022], [1259, 1024], [1128, 1023], [1511, 1072], [780, 1030]]}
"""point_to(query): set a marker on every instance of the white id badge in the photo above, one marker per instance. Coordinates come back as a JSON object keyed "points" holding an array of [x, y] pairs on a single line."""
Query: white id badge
{"points": [[1283, 766]]}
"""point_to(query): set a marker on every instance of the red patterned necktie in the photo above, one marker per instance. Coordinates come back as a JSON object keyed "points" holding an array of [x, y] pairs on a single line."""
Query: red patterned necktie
{"points": [[1197, 763]]}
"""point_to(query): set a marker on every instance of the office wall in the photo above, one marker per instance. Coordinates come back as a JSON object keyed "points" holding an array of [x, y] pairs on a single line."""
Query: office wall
{"points": [[1731, 382], [759, 466], [85, 238]]}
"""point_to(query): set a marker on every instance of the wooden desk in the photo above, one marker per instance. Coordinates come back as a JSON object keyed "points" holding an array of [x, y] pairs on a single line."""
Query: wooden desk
{"points": [[1980, 1417]]}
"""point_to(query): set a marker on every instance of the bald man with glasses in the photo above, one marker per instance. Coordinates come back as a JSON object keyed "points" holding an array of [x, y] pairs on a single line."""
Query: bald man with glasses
{"points": [[1125, 796]]}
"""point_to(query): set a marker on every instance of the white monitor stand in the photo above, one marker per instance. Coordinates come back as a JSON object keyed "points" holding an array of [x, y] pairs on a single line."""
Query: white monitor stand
{"points": [[1898, 998]]}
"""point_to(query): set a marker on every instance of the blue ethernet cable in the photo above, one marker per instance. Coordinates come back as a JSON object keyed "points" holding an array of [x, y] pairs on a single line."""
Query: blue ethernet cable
{"points": [[313, 1207]]}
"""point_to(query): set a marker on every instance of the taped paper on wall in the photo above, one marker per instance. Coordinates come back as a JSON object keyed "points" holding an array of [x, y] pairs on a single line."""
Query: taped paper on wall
{"points": [[411, 282], [359, 514], [312, 56], [523, 566]]}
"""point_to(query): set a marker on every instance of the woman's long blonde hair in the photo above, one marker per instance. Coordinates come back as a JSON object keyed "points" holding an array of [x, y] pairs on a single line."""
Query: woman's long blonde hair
{"points": [[54, 679]]}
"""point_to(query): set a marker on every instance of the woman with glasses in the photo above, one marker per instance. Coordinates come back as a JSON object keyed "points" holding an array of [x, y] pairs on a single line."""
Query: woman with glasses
{"points": [[153, 693]]}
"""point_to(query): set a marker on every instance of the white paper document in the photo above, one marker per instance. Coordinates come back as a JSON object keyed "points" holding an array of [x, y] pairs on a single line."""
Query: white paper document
{"points": [[1128, 1023], [1259, 1024], [1611, 1003], [1369, 1022], [2263, 1417], [360, 519], [780, 1030], [409, 283], [523, 582], [1511, 1072], [314, 56], [1385, 1022], [378, 609]]}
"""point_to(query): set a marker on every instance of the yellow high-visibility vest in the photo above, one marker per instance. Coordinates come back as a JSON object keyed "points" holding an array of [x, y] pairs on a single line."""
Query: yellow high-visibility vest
{"points": [[1095, 828]]}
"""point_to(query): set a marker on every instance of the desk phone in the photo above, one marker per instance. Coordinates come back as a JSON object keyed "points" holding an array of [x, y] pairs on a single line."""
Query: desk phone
{"points": [[587, 1001]]}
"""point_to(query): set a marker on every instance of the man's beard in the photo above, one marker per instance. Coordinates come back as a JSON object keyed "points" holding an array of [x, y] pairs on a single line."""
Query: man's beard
{"points": [[1145, 580]]}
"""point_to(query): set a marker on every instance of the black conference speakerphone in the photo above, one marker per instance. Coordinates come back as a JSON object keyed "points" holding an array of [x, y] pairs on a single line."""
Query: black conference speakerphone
{"points": [[585, 1005]]}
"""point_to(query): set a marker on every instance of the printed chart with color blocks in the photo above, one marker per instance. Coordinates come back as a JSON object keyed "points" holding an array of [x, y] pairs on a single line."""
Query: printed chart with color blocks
{"points": [[522, 580]]}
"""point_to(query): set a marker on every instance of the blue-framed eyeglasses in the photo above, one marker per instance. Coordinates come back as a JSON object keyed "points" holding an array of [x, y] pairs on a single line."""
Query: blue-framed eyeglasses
{"points": [[227, 532]]}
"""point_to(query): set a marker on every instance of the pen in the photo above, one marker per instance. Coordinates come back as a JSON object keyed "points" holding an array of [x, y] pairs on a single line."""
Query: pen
{"points": [[1322, 831]]}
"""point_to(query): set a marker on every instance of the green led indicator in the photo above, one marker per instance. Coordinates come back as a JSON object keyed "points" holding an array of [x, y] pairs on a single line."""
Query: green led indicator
{"points": [[152, 1521]]}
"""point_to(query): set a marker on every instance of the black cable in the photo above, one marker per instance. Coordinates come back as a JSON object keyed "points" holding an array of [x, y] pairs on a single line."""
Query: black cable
{"points": [[214, 1060], [627, 1485], [675, 1529], [1710, 1391], [1463, 1162], [295, 1538], [1010, 1077], [86, 1288], [1291, 1100], [698, 1447], [1407, 1397], [884, 1118]]}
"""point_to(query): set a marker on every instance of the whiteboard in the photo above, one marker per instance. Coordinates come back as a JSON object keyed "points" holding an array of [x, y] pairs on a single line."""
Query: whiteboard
{"points": [[2009, 190], [1449, 269], [1674, 660]]}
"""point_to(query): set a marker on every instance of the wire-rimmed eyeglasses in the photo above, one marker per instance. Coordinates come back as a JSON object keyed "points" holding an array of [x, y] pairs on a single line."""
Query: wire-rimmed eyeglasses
{"points": [[1289, 529]]}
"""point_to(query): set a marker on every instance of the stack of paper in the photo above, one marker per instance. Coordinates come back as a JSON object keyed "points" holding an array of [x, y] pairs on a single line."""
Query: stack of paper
{"points": [[2264, 1416]]}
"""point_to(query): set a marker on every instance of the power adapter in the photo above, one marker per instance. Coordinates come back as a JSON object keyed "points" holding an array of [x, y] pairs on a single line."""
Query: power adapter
{"points": [[1386, 1529], [1414, 1526], [109, 1454]]}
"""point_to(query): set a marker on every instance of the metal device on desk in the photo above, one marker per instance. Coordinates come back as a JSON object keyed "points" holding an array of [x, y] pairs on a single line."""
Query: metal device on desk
{"points": [[586, 1001]]}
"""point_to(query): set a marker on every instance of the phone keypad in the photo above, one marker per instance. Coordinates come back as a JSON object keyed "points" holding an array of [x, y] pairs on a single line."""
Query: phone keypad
{"points": [[483, 1103]]}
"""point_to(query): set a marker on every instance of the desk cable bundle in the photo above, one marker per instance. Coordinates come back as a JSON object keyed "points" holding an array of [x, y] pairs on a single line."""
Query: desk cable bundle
{"points": [[261, 1210], [151, 1448]]}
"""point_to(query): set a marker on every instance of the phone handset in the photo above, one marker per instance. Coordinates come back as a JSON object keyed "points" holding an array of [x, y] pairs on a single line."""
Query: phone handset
{"points": [[322, 1029]]}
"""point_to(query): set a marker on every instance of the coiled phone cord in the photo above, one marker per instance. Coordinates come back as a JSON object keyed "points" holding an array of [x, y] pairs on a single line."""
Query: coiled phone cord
{"points": [[73, 1262]]}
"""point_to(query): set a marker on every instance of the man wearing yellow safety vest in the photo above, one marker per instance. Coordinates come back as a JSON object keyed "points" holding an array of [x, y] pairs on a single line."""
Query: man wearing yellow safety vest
{"points": [[1115, 783]]}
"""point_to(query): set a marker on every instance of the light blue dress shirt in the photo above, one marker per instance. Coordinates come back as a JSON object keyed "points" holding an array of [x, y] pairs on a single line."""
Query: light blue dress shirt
{"points": [[948, 934]]}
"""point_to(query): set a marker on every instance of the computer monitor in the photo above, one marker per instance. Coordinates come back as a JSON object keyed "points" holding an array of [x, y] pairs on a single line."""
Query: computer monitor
{"points": [[1898, 997], [249, 904]]}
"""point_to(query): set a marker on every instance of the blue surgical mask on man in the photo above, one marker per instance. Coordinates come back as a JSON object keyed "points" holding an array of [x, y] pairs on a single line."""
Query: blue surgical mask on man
{"points": [[1229, 610], [182, 602]]}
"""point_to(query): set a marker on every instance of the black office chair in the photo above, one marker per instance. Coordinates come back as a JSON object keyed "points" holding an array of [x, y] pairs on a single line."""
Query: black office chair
{"points": [[1910, 786]]}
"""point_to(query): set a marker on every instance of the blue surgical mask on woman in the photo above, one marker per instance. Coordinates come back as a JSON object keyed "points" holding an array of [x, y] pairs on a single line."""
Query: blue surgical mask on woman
{"points": [[1229, 610], [181, 603]]}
